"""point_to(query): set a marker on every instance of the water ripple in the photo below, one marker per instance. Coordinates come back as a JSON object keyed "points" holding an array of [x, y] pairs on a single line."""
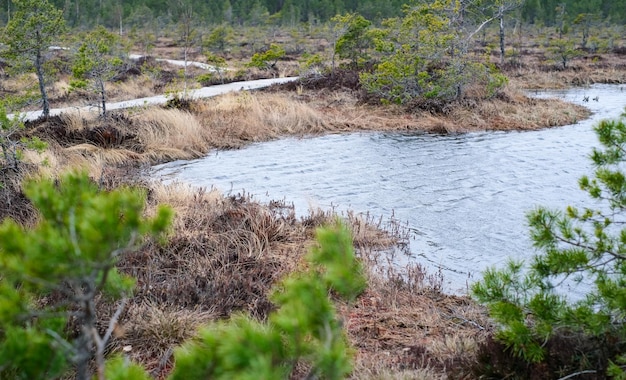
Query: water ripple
{"points": [[466, 194]]}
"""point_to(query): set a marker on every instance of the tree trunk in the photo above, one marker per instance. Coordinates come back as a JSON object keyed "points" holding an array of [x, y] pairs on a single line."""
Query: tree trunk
{"points": [[103, 99], [501, 38], [185, 72], [84, 343], [42, 84]]}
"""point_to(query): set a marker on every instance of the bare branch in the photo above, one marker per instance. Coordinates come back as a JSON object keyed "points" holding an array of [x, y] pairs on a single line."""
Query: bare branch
{"points": [[114, 319], [577, 374]]}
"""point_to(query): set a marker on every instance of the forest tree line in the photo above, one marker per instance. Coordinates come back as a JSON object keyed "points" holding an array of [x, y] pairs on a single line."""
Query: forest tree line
{"points": [[138, 13]]}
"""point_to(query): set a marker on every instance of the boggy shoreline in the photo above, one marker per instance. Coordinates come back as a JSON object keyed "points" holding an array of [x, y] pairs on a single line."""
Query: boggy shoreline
{"points": [[225, 252]]}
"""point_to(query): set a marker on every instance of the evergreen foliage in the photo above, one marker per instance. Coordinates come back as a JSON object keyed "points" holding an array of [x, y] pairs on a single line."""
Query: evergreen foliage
{"points": [[53, 272], [218, 64], [268, 59], [97, 61], [219, 39], [113, 13], [562, 51], [120, 368], [426, 55], [11, 146], [581, 245], [32, 29], [355, 40]]}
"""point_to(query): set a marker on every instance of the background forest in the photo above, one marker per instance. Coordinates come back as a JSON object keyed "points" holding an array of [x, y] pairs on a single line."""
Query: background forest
{"points": [[160, 13]]}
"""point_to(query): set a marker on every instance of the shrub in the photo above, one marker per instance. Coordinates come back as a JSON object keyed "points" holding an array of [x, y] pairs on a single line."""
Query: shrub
{"points": [[268, 59], [582, 245], [53, 273]]}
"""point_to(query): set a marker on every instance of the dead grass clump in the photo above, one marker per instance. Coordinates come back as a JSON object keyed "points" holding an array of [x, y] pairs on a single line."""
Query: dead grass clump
{"points": [[183, 198], [566, 353], [149, 333], [72, 122], [116, 130], [239, 118], [134, 88], [13, 202], [344, 112], [166, 134], [509, 110], [338, 80], [605, 68], [404, 325], [64, 129], [372, 236], [224, 254]]}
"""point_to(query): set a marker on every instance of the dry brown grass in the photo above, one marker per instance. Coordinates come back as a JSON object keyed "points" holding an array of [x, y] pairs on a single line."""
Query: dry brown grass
{"points": [[149, 332], [403, 326], [17, 83], [167, 134], [225, 253], [240, 118], [12, 200], [133, 88], [76, 121], [536, 73], [510, 110], [159, 134]]}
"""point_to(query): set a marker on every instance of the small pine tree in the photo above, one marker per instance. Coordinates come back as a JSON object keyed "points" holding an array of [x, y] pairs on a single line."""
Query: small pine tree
{"points": [[33, 27], [355, 39], [54, 271], [219, 39], [426, 55], [268, 59], [98, 60], [584, 245]]}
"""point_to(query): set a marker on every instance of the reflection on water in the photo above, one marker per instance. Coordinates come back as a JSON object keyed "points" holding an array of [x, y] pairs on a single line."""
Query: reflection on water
{"points": [[464, 195]]}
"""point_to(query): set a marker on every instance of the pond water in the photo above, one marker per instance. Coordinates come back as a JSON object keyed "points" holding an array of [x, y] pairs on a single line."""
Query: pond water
{"points": [[464, 196]]}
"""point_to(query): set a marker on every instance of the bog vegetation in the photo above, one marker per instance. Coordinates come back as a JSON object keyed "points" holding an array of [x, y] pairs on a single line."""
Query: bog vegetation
{"points": [[54, 273], [97, 278]]}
